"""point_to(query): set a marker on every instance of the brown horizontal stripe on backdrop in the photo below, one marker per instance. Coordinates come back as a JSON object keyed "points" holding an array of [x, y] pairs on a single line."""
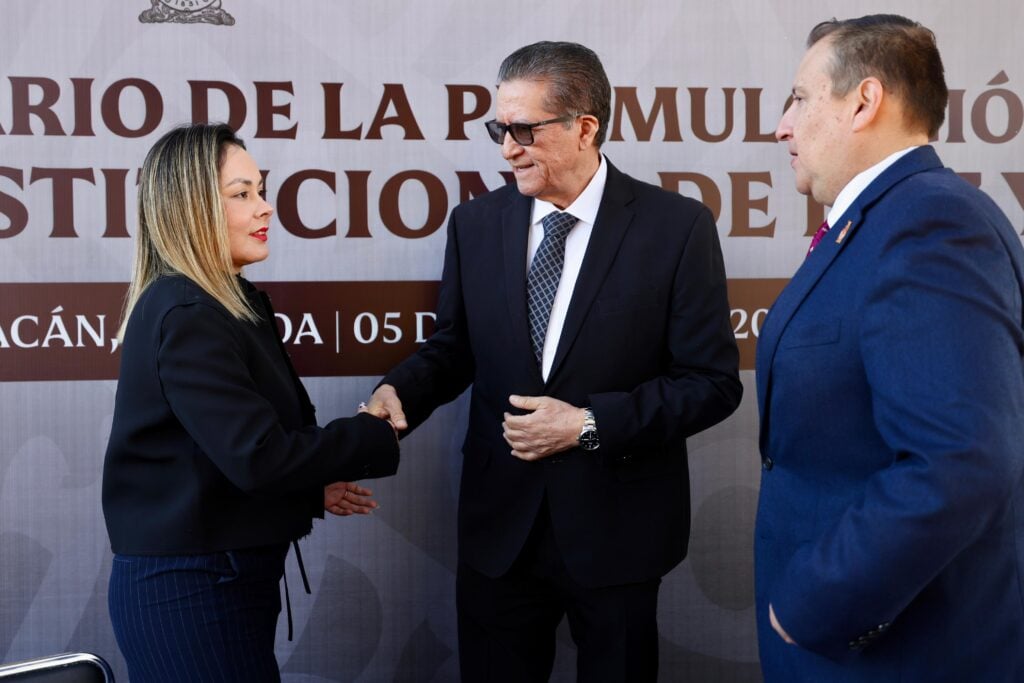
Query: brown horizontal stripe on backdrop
{"points": [[66, 330], [749, 301]]}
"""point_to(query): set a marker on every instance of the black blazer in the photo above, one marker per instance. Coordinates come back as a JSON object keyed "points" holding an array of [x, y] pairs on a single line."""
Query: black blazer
{"points": [[646, 342], [214, 444]]}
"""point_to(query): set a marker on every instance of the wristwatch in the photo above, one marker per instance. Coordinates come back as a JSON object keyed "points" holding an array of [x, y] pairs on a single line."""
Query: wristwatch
{"points": [[588, 435]]}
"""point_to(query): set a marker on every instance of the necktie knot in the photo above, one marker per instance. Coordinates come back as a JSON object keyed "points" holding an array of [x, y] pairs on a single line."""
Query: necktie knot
{"points": [[557, 225], [818, 236]]}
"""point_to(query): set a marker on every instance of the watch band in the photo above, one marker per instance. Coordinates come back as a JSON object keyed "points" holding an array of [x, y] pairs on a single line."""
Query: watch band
{"points": [[588, 438]]}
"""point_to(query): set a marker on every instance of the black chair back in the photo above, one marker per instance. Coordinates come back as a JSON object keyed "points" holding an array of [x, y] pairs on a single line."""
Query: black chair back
{"points": [[77, 667]]}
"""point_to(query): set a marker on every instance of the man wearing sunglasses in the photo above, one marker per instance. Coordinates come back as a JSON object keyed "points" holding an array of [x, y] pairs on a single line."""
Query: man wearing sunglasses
{"points": [[588, 311]]}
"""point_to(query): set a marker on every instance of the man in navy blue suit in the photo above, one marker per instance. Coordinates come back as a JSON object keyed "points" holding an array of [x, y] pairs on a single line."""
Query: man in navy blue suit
{"points": [[890, 532]]}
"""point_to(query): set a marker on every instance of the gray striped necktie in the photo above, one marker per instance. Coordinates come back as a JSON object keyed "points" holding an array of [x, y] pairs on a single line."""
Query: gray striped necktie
{"points": [[545, 272]]}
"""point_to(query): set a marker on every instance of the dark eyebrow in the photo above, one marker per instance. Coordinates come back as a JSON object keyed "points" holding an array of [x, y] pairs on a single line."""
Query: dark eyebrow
{"points": [[243, 181]]}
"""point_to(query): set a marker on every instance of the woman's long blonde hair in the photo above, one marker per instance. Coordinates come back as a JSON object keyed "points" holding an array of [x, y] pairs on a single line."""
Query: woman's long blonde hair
{"points": [[182, 228]]}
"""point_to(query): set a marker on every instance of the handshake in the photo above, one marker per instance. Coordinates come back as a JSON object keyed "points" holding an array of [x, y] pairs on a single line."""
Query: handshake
{"points": [[386, 405], [344, 498]]}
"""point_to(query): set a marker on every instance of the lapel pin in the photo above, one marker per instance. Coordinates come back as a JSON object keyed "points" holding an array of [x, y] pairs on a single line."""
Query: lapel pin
{"points": [[842, 233]]}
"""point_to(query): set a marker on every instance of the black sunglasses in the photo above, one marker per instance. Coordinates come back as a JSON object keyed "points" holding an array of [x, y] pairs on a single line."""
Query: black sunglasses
{"points": [[522, 133]]}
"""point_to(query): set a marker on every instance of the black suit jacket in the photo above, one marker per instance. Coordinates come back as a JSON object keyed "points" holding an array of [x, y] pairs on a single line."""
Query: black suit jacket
{"points": [[214, 444], [646, 342]]}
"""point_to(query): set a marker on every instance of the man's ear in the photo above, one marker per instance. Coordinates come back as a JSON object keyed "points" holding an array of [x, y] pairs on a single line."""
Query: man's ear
{"points": [[589, 125], [868, 98]]}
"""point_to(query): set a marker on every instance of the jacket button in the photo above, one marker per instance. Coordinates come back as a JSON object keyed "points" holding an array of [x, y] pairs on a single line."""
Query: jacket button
{"points": [[767, 463]]}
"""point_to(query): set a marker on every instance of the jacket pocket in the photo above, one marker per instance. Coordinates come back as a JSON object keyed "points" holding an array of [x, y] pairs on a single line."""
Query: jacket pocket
{"points": [[630, 467], [633, 300], [811, 333]]}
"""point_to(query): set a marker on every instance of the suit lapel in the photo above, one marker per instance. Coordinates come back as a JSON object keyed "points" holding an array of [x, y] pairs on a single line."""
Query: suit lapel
{"points": [[515, 236], [613, 219], [812, 269], [782, 311]]}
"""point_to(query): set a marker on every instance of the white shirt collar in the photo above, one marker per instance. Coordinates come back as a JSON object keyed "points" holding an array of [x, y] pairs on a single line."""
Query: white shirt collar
{"points": [[859, 183], [586, 205]]}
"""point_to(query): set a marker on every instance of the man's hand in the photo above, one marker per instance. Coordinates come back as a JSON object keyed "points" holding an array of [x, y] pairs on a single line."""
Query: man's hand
{"points": [[385, 404], [778, 627], [344, 498], [551, 427]]}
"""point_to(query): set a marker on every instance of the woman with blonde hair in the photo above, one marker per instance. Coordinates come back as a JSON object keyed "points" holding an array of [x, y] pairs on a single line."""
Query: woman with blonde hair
{"points": [[215, 463]]}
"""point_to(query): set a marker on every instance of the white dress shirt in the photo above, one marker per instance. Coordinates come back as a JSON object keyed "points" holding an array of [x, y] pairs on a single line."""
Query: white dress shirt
{"points": [[585, 210], [859, 183]]}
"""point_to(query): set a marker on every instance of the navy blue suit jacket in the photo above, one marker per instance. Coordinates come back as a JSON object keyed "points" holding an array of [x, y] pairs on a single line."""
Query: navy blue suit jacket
{"points": [[646, 342], [890, 529]]}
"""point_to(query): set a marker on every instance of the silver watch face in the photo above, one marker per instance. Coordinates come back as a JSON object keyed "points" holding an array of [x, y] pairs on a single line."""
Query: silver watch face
{"points": [[589, 440]]}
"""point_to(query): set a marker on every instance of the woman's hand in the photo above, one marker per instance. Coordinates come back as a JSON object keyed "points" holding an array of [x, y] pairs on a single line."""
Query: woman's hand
{"points": [[345, 498]]}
